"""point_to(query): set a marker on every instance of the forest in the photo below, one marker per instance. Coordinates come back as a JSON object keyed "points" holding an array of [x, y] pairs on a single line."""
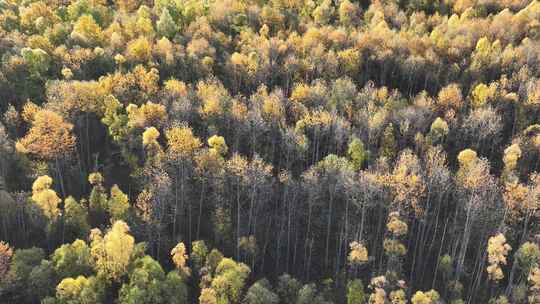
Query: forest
{"points": [[270, 151]]}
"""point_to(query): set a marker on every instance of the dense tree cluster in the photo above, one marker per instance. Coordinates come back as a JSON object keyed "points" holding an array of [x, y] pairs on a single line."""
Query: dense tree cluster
{"points": [[270, 151]]}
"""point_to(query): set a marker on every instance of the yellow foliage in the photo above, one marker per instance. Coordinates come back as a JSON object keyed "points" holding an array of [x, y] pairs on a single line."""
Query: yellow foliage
{"points": [[379, 281], [483, 46], [453, 21], [482, 94], [273, 108], [534, 282], [45, 198], [350, 60], [467, 157], [87, 31], [150, 136], [396, 226], [515, 196], [407, 182], [179, 258], [378, 119], [536, 142], [137, 86], [71, 98], [229, 280], [149, 114], [70, 288], [473, 173], [95, 179], [40, 42], [118, 203], [420, 298], [181, 142], [208, 296], [67, 73], [439, 126], [199, 48], [378, 296], [38, 15], [461, 6], [497, 251], [214, 98], [449, 97], [212, 106], [300, 93], [358, 254], [209, 162], [533, 93], [119, 59], [323, 13], [348, 12], [238, 165], [239, 59], [398, 297], [50, 136], [176, 87], [112, 252], [143, 26], [29, 111], [166, 50], [511, 156], [127, 5], [42, 183], [217, 145], [317, 119], [147, 79], [144, 205], [139, 50], [495, 272]]}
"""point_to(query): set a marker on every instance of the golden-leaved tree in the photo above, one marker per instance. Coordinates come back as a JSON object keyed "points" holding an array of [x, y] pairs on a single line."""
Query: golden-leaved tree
{"points": [[45, 197], [497, 251], [112, 252], [49, 138]]}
